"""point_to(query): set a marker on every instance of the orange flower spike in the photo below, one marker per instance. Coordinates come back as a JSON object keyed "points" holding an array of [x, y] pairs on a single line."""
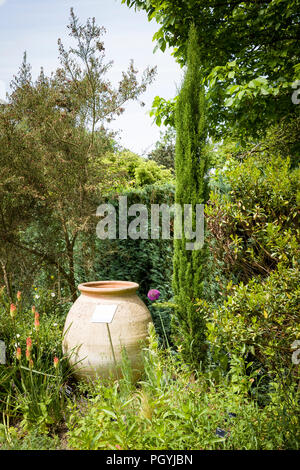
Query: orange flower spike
{"points": [[28, 355], [18, 354], [55, 362], [29, 343], [19, 295], [37, 320], [31, 363], [33, 309], [13, 310]]}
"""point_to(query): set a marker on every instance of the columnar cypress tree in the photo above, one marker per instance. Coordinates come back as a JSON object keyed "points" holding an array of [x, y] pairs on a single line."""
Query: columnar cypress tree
{"points": [[190, 167]]}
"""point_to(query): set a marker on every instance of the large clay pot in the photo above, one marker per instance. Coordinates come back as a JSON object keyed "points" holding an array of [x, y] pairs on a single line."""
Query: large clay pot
{"points": [[107, 317]]}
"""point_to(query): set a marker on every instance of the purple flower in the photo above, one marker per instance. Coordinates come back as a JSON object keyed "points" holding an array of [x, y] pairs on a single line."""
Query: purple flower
{"points": [[153, 294]]}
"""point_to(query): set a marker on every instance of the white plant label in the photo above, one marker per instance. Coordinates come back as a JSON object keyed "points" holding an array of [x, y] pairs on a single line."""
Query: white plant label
{"points": [[104, 313]]}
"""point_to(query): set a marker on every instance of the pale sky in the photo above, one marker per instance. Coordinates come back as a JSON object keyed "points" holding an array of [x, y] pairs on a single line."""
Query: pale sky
{"points": [[35, 26]]}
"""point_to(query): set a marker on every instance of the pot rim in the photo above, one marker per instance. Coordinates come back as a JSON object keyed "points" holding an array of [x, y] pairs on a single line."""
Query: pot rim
{"points": [[108, 287]]}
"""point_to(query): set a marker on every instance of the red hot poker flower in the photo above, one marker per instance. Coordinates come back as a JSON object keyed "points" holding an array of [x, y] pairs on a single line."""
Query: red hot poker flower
{"points": [[55, 362], [13, 310], [28, 355], [29, 343], [18, 354], [37, 320]]}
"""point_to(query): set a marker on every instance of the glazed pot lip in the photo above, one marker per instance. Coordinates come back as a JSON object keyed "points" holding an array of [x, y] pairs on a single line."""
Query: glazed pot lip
{"points": [[108, 287]]}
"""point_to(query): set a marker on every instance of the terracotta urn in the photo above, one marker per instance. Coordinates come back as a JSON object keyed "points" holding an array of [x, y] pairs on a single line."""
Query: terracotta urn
{"points": [[107, 317]]}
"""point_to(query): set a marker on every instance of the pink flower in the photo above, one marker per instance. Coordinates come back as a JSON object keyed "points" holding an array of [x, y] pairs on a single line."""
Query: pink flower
{"points": [[153, 294], [13, 309], [19, 293]]}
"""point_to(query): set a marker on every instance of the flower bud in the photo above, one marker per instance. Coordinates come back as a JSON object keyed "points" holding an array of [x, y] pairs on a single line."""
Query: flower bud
{"points": [[37, 320], [28, 354], [153, 294], [29, 343], [55, 362], [18, 354], [13, 310]]}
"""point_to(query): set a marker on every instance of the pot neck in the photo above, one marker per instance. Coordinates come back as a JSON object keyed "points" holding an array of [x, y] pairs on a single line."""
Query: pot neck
{"points": [[108, 288]]}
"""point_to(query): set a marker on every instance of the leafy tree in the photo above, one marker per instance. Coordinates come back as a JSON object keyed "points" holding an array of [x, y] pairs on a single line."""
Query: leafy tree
{"points": [[16, 197], [190, 168], [54, 146], [136, 171], [248, 57], [164, 151], [164, 111]]}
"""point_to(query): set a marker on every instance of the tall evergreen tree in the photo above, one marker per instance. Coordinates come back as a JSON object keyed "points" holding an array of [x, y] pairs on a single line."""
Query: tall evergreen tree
{"points": [[191, 164]]}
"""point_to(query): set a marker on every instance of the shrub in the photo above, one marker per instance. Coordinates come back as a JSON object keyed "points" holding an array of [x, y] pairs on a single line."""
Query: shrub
{"points": [[137, 171], [254, 221], [260, 319]]}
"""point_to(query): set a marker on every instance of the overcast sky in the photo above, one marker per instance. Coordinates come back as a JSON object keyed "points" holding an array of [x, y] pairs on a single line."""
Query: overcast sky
{"points": [[35, 26]]}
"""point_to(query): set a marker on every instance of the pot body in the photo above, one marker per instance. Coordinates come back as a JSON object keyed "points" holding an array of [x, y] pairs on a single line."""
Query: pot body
{"points": [[107, 317]]}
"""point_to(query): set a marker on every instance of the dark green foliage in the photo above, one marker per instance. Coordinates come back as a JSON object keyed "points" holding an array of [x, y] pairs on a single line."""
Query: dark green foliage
{"points": [[147, 262], [190, 167], [261, 319]]}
